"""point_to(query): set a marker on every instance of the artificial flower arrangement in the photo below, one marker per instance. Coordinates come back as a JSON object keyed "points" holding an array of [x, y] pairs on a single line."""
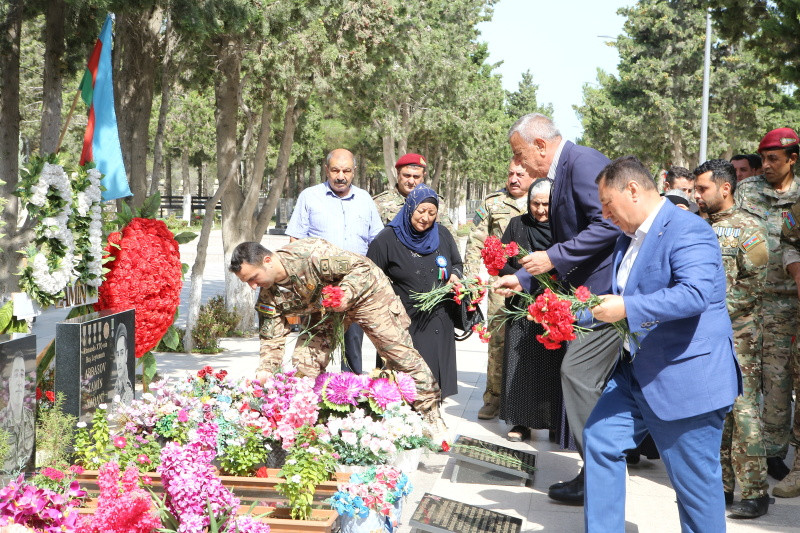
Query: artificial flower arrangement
{"points": [[358, 439], [380, 489], [251, 416], [310, 461], [40, 509], [344, 392]]}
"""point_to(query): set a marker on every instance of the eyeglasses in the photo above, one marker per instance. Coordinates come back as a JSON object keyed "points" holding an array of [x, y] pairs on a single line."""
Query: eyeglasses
{"points": [[345, 171]]}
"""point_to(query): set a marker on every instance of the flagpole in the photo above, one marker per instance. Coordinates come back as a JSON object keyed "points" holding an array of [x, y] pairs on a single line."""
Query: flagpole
{"points": [[69, 117]]}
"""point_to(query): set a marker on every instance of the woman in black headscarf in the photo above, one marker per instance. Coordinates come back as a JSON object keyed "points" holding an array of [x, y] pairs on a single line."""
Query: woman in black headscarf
{"points": [[531, 386], [418, 254]]}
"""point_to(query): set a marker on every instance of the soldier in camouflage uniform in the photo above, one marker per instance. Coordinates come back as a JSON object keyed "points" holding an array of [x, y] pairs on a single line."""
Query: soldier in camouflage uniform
{"points": [[491, 219], [291, 281], [411, 170], [769, 197], [743, 242], [789, 486]]}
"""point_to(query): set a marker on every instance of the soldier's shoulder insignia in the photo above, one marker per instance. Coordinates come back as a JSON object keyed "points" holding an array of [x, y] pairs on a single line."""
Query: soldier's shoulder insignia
{"points": [[265, 309], [751, 242], [789, 220], [480, 214], [335, 265]]}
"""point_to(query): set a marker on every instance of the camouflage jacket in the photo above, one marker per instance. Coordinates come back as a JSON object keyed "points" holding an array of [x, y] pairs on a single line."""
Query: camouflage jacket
{"points": [[743, 243], [491, 218], [790, 235], [311, 264], [758, 198], [390, 202]]}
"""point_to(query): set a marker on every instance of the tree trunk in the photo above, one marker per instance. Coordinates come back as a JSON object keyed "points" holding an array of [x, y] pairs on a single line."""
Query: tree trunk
{"points": [[10, 29], [53, 74], [436, 180], [167, 77], [187, 185], [389, 158], [168, 177], [137, 51]]}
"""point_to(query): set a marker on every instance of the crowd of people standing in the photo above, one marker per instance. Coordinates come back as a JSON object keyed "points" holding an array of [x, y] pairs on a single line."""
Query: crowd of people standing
{"points": [[704, 268]]}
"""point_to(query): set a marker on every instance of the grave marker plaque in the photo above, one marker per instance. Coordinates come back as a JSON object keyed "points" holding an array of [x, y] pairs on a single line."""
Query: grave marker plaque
{"points": [[18, 400], [478, 461], [435, 514], [95, 361]]}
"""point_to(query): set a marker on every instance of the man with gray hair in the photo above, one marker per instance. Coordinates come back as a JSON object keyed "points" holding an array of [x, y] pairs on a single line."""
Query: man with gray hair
{"points": [[581, 255]]}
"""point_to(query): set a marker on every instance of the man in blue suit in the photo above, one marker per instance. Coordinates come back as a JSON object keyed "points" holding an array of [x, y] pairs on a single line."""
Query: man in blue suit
{"points": [[677, 376], [580, 255]]}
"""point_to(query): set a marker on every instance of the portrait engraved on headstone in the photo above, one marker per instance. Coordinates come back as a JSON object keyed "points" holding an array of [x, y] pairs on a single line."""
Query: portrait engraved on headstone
{"points": [[95, 361], [18, 400]]}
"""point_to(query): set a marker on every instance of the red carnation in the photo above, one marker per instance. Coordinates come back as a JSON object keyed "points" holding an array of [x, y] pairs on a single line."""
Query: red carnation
{"points": [[38, 393], [582, 293], [145, 275], [50, 395], [556, 317], [511, 249], [445, 446], [332, 296], [221, 374]]}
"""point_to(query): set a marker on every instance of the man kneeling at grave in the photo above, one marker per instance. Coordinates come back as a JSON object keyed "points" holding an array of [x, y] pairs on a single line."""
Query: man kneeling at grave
{"points": [[291, 281]]}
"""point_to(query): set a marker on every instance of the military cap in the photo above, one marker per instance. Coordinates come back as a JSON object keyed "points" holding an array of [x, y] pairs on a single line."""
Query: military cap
{"points": [[411, 159], [779, 138]]}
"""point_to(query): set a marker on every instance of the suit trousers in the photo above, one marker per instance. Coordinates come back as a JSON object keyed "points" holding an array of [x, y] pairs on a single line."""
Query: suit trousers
{"points": [[585, 369], [353, 339], [688, 446]]}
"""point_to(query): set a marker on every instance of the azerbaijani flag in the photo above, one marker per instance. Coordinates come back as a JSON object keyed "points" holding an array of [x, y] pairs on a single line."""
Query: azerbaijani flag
{"points": [[101, 140]]}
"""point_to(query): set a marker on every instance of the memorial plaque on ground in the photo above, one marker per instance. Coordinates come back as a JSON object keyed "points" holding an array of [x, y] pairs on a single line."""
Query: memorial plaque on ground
{"points": [[478, 461], [435, 514], [95, 361], [18, 400]]}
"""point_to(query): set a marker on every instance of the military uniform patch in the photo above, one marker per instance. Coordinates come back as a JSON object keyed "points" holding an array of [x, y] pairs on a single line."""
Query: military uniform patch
{"points": [[268, 310], [750, 242], [480, 214], [789, 220]]}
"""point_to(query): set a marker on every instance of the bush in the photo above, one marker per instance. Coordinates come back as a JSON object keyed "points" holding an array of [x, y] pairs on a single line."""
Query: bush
{"points": [[178, 349], [213, 321], [175, 224]]}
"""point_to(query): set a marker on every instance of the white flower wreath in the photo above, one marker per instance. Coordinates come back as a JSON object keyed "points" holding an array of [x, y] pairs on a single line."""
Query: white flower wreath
{"points": [[68, 241]]}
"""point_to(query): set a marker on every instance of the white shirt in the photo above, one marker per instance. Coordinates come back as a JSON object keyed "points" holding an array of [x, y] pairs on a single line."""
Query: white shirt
{"points": [[551, 173], [632, 252]]}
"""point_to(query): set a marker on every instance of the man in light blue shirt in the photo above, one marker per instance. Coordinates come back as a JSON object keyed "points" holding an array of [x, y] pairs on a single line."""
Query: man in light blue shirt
{"points": [[344, 215]]}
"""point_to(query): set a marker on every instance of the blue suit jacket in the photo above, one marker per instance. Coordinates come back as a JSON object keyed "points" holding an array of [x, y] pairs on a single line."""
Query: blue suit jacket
{"points": [[684, 358], [582, 239]]}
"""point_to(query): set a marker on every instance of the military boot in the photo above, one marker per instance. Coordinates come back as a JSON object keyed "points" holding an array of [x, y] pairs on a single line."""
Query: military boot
{"points": [[436, 428], [490, 408], [789, 487]]}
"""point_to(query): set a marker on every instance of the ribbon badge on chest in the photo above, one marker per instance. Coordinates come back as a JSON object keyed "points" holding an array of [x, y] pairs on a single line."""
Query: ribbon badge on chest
{"points": [[441, 262]]}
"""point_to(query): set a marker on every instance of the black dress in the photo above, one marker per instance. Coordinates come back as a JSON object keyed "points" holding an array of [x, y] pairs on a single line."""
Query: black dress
{"points": [[433, 333], [531, 386]]}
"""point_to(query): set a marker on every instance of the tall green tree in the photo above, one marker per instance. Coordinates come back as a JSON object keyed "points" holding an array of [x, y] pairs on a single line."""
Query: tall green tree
{"points": [[525, 100]]}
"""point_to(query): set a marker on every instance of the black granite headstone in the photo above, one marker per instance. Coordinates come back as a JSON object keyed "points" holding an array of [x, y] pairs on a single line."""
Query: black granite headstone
{"points": [[18, 400], [435, 514], [95, 361], [478, 461]]}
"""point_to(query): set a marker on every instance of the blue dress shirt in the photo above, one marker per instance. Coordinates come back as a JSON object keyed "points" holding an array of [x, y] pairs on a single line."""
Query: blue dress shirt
{"points": [[350, 222]]}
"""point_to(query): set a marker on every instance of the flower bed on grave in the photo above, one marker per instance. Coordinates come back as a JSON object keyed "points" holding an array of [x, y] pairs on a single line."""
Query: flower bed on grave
{"points": [[202, 428]]}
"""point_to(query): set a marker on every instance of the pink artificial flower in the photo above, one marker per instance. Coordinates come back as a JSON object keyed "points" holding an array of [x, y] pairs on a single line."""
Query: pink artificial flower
{"points": [[120, 441], [144, 459], [183, 416], [52, 473]]}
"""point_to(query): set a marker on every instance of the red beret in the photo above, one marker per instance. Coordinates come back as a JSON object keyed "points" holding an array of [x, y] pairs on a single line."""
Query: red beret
{"points": [[780, 138], [411, 159]]}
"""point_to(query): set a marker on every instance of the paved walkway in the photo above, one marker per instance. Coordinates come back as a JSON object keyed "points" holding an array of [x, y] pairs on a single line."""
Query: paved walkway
{"points": [[651, 503]]}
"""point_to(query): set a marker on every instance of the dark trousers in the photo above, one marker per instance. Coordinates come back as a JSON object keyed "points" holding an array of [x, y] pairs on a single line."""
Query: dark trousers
{"points": [[353, 338]]}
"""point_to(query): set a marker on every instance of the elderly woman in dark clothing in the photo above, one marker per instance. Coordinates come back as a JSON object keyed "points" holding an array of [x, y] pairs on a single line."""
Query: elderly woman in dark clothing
{"points": [[531, 392], [418, 254]]}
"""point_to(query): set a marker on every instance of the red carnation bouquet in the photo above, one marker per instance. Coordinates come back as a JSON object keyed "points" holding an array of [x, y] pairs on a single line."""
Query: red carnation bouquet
{"points": [[472, 289], [495, 254], [556, 311], [332, 296]]}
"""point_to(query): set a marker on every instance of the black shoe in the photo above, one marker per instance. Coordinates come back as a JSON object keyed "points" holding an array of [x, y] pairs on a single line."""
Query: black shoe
{"points": [[632, 457], [776, 468], [519, 433], [750, 508], [578, 478], [571, 492], [728, 498], [552, 435]]}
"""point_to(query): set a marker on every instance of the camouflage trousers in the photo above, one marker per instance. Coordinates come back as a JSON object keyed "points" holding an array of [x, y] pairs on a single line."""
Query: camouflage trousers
{"points": [[494, 366], [742, 452], [779, 323], [384, 320]]}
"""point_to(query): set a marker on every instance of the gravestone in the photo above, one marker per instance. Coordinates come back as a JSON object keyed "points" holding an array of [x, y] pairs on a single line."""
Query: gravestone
{"points": [[95, 361], [478, 461], [18, 400], [435, 514]]}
